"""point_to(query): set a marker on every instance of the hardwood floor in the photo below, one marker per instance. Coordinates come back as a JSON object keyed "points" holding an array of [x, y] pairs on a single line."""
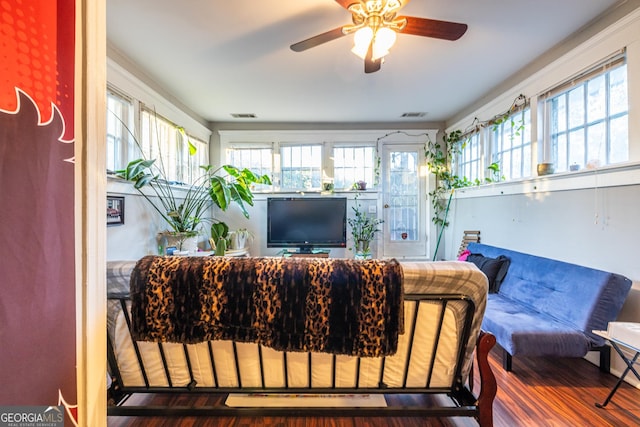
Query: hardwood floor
{"points": [[539, 392]]}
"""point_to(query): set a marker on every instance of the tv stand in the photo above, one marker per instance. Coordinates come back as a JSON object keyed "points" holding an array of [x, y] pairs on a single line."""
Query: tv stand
{"points": [[307, 253]]}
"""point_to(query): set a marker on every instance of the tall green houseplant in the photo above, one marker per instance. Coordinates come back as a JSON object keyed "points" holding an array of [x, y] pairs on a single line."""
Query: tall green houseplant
{"points": [[184, 213], [186, 208]]}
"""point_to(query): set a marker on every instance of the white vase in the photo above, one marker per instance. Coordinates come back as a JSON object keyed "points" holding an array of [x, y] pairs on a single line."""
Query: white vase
{"points": [[240, 240]]}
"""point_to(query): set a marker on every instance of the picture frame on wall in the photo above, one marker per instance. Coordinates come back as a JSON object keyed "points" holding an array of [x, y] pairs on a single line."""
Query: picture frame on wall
{"points": [[115, 210]]}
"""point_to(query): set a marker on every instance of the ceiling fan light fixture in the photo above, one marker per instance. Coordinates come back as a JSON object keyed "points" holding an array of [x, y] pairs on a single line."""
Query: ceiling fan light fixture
{"points": [[361, 40], [383, 40], [376, 24]]}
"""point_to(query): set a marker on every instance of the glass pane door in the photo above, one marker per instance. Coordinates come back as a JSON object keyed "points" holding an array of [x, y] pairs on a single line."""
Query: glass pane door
{"points": [[404, 199]]}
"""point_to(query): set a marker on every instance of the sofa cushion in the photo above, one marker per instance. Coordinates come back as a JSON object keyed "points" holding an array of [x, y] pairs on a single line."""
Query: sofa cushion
{"points": [[523, 331], [494, 268]]}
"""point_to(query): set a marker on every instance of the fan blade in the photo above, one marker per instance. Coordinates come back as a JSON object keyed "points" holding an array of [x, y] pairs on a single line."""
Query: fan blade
{"points": [[433, 28], [371, 66], [317, 40], [346, 3]]}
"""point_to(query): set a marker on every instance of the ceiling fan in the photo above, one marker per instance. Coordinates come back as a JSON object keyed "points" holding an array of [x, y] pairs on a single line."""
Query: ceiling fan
{"points": [[376, 24]]}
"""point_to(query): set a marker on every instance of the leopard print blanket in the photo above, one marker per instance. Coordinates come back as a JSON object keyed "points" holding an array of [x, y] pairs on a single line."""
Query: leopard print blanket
{"points": [[338, 306]]}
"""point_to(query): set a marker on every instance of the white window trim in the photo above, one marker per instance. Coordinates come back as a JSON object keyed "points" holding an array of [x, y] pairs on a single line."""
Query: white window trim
{"points": [[617, 175]]}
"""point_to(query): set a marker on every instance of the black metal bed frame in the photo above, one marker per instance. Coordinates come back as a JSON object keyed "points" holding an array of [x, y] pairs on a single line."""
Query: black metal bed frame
{"points": [[464, 402]]}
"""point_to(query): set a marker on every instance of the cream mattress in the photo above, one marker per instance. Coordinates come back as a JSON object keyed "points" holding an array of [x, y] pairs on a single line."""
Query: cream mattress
{"points": [[420, 278]]}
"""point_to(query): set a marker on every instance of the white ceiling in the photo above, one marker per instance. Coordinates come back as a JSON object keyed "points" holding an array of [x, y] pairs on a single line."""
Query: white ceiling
{"points": [[222, 57]]}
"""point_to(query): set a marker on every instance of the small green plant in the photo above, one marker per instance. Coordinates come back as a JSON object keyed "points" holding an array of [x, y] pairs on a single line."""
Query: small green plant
{"points": [[363, 229], [218, 240], [494, 171]]}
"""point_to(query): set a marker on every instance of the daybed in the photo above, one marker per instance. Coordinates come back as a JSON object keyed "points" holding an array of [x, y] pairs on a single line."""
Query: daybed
{"points": [[439, 332], [546, 307]]}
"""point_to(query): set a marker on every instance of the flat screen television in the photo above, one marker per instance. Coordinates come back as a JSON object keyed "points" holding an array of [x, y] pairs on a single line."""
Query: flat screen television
{"points": [[306, 223]]}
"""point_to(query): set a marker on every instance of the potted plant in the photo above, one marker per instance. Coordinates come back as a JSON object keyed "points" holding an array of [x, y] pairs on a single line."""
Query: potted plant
{"points": [[240, 237], [363, 231], [185, 208], [219, 238]]}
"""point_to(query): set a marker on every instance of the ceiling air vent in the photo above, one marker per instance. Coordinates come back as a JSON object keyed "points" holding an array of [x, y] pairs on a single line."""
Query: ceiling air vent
{"points": [[243, 115], [412, 115]]}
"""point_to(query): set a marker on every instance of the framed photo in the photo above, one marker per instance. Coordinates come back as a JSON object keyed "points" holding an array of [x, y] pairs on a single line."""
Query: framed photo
{"points": [[115, 210]]}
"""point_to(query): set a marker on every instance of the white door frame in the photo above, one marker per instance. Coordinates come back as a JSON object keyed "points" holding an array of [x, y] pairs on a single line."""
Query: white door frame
{"points": [[411, 142]]}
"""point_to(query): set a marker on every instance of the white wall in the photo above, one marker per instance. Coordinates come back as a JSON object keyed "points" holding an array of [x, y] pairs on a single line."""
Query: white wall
{"points": [[137, 236]]}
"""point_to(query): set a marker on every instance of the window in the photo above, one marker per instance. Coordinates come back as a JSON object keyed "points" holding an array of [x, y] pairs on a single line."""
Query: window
{"points": [[511, 147], [197, 159], [588, 119], [119, 121], [300, 166], [404, 188], [352, 164], [257, 160], [469, 159], [172, 148]]}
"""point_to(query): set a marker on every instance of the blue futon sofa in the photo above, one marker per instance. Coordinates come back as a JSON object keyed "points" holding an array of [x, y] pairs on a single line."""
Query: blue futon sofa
{"points": [[545, 307]]}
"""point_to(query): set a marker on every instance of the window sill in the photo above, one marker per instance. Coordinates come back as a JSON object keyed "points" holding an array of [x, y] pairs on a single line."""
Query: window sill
{"points": [[608, 176], [350, 194], [118, 185]]}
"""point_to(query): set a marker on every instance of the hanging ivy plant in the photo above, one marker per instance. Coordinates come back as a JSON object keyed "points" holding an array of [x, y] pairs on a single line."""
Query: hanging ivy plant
{"points": [[438, 156]]}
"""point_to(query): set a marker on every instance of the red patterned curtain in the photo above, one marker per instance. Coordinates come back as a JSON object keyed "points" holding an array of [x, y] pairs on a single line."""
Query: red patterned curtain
{"points": [[37, 296]]}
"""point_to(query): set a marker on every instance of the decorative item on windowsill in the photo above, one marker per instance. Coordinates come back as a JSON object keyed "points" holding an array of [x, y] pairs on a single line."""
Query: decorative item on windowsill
{"points": [[186, 207], [360, 185], [363, 231], [545, 169], [327, 187]]}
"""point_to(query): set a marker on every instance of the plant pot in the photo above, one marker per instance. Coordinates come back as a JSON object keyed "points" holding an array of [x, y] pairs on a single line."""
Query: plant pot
{"points": [[545, 169], [362, 250], [327, 186], [182, 241]]}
